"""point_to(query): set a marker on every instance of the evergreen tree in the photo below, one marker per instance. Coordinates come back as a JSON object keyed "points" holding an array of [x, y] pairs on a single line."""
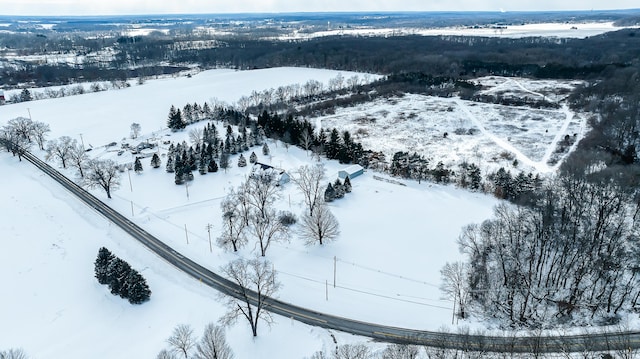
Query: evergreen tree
{"points": [[25, 95], [202, 167], [242, 162], [265, 150], [155, 161], [224, 161], [117, 272], [213, 166], [137, 165], [334, 145], [329, 193], [347, 185], [102, 264], [253, 158], [170, 166], [475, 177], [175, 121], [338, 187], [179, 175], [138, 291]]}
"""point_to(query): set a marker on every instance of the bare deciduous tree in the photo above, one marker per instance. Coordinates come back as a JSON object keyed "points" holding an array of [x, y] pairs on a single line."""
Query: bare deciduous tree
{"points": [[309, 180], [40, 130], [267, 228], [320, 226], [306, 139], [102, 174], [400, 351], [213, 344], [257, 281], [78, 158], [13, 354], [353, 351], [261, 191], [135, 130], [182, 340], [195, 136], [60, 149], [233, 224], [165, 354], [454, 285]]}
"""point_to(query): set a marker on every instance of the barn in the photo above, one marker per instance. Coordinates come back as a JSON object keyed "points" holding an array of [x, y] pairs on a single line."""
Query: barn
{"points": [[351, 172], [2, 99]]}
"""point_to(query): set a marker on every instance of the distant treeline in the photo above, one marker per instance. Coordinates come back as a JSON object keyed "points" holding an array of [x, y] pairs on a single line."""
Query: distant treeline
{"points": [[459, 57]]}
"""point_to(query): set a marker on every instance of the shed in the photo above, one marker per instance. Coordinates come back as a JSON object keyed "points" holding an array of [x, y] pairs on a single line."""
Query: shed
{"points": [[351, 172]]}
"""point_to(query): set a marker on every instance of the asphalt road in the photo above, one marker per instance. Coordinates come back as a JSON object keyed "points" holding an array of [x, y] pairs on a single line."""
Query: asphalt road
{"points": [[623, 341]]}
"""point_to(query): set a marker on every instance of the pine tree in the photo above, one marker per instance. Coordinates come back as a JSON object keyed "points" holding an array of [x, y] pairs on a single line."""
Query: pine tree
{"points": [[338, 188], [138, 291], [224, 161], [102, 264], [155, 161], [137, 165], [265, 150], [25, 96], [116, 274], [213, 166], [175, 121], [170, 166], [202, 165], [347, 185], [253, 158], [329, 193], [242, 162]]}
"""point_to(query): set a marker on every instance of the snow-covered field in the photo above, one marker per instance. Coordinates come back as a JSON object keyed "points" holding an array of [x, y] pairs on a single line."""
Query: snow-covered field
{"points": [[489, 135], [559, 30], [394, 238]]}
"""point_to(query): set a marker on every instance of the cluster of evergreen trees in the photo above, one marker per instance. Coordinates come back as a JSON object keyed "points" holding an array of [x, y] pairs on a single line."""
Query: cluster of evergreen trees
{"points": [[333, 144], [179, 119], [337, 190], [121, 278]]}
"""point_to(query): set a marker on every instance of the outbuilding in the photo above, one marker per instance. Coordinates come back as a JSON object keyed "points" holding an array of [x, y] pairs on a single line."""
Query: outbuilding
{"points": [[351, 172]]}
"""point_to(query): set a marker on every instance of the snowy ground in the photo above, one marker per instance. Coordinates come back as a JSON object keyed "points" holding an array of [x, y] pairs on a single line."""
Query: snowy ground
{"points": [[488, 135], [559, 30], [394, 240]]}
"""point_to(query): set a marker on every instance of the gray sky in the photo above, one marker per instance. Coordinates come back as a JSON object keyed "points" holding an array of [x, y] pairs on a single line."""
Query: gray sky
{"points": [[109, 7]]}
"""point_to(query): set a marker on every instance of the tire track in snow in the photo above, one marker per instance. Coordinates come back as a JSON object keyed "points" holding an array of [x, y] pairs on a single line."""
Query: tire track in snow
{"points": [[541, 167], [559, 135]]}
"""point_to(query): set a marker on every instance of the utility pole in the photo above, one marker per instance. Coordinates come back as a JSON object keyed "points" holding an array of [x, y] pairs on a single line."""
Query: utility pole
{"points": [[209, 226], [129, 173], [186, 234], [335, 259]]}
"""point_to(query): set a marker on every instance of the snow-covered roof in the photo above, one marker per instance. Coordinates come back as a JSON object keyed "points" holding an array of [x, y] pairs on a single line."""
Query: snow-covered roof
{"points": [[353, 169]]}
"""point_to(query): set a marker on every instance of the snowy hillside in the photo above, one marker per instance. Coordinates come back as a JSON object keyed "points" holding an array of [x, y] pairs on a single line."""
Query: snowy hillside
{"points": [[394, 238]]}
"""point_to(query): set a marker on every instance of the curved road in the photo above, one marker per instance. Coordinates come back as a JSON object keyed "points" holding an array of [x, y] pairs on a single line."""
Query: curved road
{"points": [[532, 344]]}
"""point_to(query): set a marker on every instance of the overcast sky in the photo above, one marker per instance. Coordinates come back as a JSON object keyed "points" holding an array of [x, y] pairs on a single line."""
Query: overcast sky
{"points": [[121, 7]]}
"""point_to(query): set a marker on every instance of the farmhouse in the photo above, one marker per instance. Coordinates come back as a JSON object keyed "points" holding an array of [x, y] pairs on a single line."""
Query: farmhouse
{"points": [[279, 175], [351, 172]]}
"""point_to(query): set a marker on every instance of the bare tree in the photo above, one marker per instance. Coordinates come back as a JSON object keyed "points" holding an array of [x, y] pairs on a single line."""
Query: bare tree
{"points": [[454, 285], [182, 340], [320, 226], [13, 354], [40, 130], [135, 130], [233, 224], [78, 158], [261, 191], [267, 228], [103, 174], [353, 351], [257, 281], [60, 149], [13, 141], [306, 139], [165, 354], [213, 344], [309, 180], [195, 136], [400, 351]]}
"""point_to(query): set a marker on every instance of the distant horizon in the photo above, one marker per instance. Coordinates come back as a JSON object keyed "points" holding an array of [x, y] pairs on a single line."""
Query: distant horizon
{"points": [[47, 8], [327, 12]]}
